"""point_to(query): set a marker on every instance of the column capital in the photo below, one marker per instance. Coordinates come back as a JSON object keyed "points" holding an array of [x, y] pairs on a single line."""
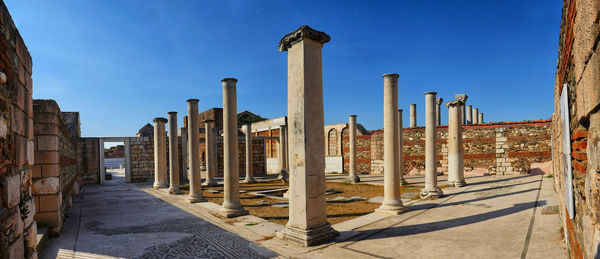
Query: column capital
{"points": [[439, 101], [229, 79], [192, 100], [160, 119], [453, 103], [282, 126], [391, 75], [352, 116], [172, 113], [433, 93], [300, 34], [461, 97]]}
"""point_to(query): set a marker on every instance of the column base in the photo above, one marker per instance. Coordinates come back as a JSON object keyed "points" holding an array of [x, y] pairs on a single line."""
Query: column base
{"points": [[307, 237], [232, 212], [159, 185], [210, 183], [352, 179], [403, 181], [431, 194], [391, 207], [457, 183], [249, 180], [196, 197], [175, 191]]}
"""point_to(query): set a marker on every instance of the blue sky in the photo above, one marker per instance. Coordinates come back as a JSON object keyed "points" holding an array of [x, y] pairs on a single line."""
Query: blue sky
{"points": [[121, 63]]}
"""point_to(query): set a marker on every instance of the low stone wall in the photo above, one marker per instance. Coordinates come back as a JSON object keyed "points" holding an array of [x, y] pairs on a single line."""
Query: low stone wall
{"points": [[502, 148]]}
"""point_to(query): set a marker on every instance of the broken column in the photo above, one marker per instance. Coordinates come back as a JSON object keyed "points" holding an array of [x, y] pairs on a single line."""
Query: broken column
{"points": [[209, 144], [391, 203], [413, 115], [469, 114], [173, 155], [352, 176], [475, 117], [307, 223], [400, 146], [231, 189], [160, 153], [455, 149], [195, 194], [247, 129], [431, 189], [438, 112], [480, 117], [463, 98]]}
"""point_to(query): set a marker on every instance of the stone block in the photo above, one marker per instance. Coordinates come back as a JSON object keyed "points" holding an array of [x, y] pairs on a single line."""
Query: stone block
{"points": [[45, 128], [49, 219], [30, 152], [37, 171], [30, 128], [50, 202], [500, 151], [21, 150], [47, 157], [11, 191], [31, 214], [50, 170], [31, 236], [47, 142], [588, 96], [16, 249], [586, 29], [48, 185], [18, 121]]}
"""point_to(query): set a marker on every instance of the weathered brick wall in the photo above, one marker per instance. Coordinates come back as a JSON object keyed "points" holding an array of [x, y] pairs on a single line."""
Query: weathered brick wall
{"points": [[258, 156], [502, 148], [87, 160], [578, 67], [142, 159], [17, 208], [55, 168]]}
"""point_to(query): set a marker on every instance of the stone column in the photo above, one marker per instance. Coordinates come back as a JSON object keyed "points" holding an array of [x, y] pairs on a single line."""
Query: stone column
{"points": [[431, 189], [247, 129], [352, 176], [469, 114], [184, 154], [413, 115], [480, 117], [438, 112], [195, 194], [400, 146], [391, 174], [173, 155], [474, 116], [281, 148], [231, 189], [211, 166], [307, 208], [455, 149], [160, 153], [463, 98]]}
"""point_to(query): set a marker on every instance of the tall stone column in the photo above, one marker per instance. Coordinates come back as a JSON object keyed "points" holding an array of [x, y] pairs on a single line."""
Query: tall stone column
{"points": [[195, 194], [474, 115], [352, 176], [455, 149], [231, 189], [247, 129], [184, 154], [413, 115], [307, 208], [480, 117], [211, 166], [160, 153], [463, 98], [391, 174], [282, 149], [173, 155], [469, 114], [438, 112], [400, 146], [431, 189]]}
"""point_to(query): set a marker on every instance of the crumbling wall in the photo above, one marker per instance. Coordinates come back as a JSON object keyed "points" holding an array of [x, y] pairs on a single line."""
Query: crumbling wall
{"points": [[17, 208]]}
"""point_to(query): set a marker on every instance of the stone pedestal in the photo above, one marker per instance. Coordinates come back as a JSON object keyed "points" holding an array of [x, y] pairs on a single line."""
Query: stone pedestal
{"points": [[231, 189], [431, 190], [195, 194], [160, 153], [400, 146], [307, 208], [173, 155], [392, 203], [413, 115], [352, 176], [247, 129], [455, 148], [475, 115], [438, 111], [210, 144], [480, 117], [469, 113]]}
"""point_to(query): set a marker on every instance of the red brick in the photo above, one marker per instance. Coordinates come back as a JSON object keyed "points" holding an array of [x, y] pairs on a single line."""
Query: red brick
{"points": [[579, 133], [579, 155], [579, 167], [46, 157], [579, 145], [37, 171]]}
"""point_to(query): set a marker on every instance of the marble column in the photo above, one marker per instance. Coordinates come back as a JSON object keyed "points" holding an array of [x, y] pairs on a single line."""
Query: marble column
{"points": [[469, 114], [463, 98], [391, 203], [352, 176], [400, 146], [160, 153], [480, 117], [455, 148], [247, 129], [413, 115], [209, 144], [307, 224], [282, 149], [173, 155], [438, 112], [431, 189], [231, 189], [475, 116], [184, 154], [195, 175]]}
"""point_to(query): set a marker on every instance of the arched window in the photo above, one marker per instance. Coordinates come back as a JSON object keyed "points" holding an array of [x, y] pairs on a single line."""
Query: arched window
{"points": [[332, 142]]}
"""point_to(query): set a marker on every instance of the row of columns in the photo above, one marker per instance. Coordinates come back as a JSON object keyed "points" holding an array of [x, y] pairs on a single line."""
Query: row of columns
{"points": [[473, 115], [468, 114]]}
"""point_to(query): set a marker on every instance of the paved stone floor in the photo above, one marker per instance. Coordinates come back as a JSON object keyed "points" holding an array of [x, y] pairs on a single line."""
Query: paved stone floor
{"points": [[492, 217]]}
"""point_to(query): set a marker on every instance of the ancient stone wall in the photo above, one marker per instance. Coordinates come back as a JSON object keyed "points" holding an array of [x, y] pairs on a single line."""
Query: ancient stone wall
{"points": [[502, 148], [55, 169], [258, 156], [142, 159], [87, 160], [578, 68], [18, 230]]}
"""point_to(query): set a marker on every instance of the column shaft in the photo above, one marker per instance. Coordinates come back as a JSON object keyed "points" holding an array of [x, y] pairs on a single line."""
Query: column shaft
{"points": [[352, 175], [249, 161], [469, 114], [160, 153], [438, 111], [431, 189], [184, 172], [210, 153], [480, 118], [400, 146], [455, 149], [173, 155], [475, 118], [413, 115], [195, 194]]}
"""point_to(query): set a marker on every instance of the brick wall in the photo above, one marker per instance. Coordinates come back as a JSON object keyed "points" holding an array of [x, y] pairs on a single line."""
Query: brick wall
{"points": [[578, 67], [502, 148], [55, 169], [258, 156], [17, 208], [142, 159]]}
